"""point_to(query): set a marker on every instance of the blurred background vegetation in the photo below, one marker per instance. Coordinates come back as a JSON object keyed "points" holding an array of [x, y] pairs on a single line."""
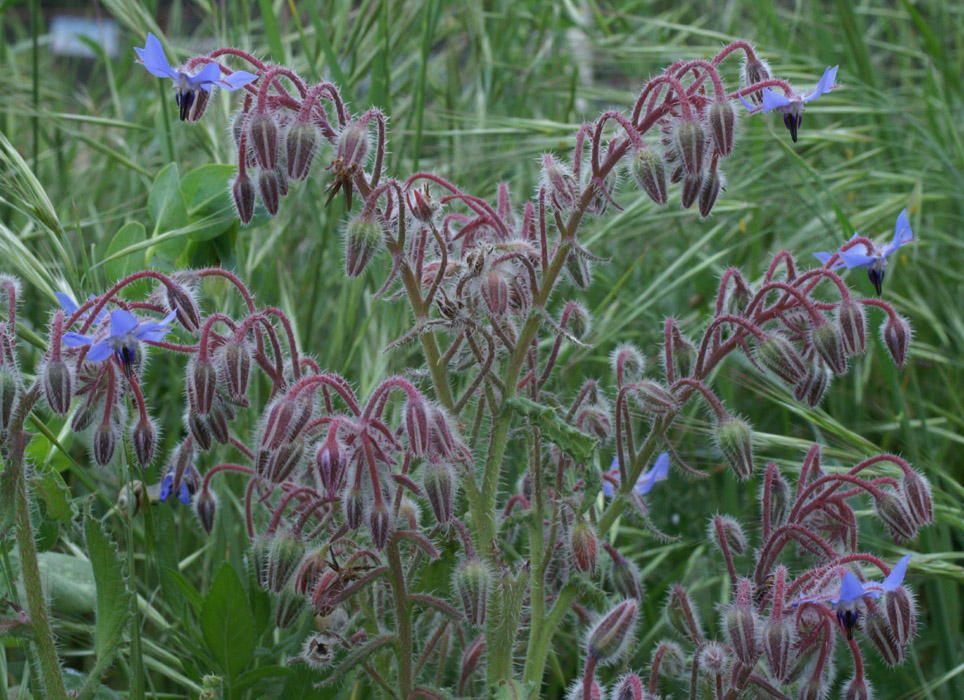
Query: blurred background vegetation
{"points": [[476, 91]]}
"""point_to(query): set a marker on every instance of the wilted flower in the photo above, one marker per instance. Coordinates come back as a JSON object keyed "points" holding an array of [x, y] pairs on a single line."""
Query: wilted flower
{"points": [[792, 107], [646, 480], [124, 339], [873, 260]]}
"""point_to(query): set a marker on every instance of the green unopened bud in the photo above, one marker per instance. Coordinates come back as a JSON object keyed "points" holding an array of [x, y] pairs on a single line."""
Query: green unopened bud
{"points": [[775, 352], [583, 547], [364, 237], [284, 556], [144, 441], [681, 615], [724, 528], [735, 440], [813, 386], [741, 627], [828, 343], [58, 386], [104, 443], [291, 606], [579, 270], [611, 636], [722, 119], [627, 364], [206, 507], [690, 142], [301, 144], [471, 583], [713, 183], [9, 391], [672, 660], [649, 171], [654, 398]]}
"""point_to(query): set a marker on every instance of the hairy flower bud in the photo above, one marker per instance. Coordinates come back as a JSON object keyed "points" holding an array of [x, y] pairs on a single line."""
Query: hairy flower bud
{"points": [[291, 605], [352, 145], [813, 386], [649, 171], [58, 387], [850, 320], [560, 182], [202, 384], [780, 496], [206, 507], [495, 293], [877, 631], [742, 627], [672, 660], [722, 120], [263, 139], [654, 398], [438, 481], [284, 460], [284, 555], [270, 189], [379, 524], [775, 352], [734, 439], [181, 301], [234, 367], [626, 579], [194, 109], [612, 634], [900, 609], [917, 495], [777, 640], [692, 186], [732, 534], [681, 615], [242, 191], [332, 464], [755, 71], [689, 139], [471, 582], [713, 183], [354, 504], [631, 688], [858, 688], [364, 237], [577, 690], [301, 144], [9, 392], [896, 334], [627, 364], [200, 429], [714, 658], [104, 443], [827, 340], [471, 661], [423, 206], [578, 269], [416, 424], [144, 441], [583, 547], [892, 510]]}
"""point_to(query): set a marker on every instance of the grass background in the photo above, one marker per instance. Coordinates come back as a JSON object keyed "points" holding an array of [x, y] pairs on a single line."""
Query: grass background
{"points": [[476, 91]]}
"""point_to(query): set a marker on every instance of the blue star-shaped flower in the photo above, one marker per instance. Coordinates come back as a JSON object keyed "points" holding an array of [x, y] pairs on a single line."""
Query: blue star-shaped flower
{"points": [[646, 481], [123, 340], [187, 86], [792, 107], [874, 260], [186, 487]]}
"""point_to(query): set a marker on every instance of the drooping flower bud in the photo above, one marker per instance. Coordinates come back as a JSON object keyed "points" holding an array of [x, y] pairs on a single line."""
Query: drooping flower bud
{"points": [[263, 139], [471, 661], [713, 183], [291, 605], [471, 582], [578, 322], [734, 439], [364, 237], [577, 690], [612, 634], [270, 190], [681, 615], [858, 688], [878, 632], [560, 182], [672, 660], [104, 443], [813, 386], [234, 366], [439, 484], [649, 172], [755, 71], [779, 505], [332, 464], [828, 342], [896, 334], [892, 510], [200, 429], [144, 441], [284, 460], [206, 507], [917, 495], [741, 626], [416, 424], [181, 301], [626, 579], [900, 609], [627, 364], [689, 139], [631, 688], [352, 145], [202, 381], [654, 398], [9, 391], [578, 269], [242, 191], [380, 524], [732, 534], [714, 658], [775, 352], [583, 547], [722, 120], [58, 387], [301, 144], [495, 293], [684, 355], [851, 322], [692, 186], [778, 640], [354, 504], [284, 556]]}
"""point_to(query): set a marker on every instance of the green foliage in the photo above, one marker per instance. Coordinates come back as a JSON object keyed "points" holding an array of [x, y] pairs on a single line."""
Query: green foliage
{"points": [[227, 623]]}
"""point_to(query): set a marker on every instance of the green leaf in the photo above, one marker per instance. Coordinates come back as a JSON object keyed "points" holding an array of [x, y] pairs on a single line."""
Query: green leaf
{"points": [[118, 261], [167, 209], [513, 690], [227, 623], [555, 429], [251, 677], [186, 587], [209, 207], [56, 496]]}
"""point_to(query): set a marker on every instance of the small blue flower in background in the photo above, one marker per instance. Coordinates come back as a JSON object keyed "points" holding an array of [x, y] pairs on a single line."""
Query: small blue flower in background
{"points": [[875, 260], [852, 591], [124, 339], [792, 107], [187, 86], [646, 481], [68, 305], [186, 487]]}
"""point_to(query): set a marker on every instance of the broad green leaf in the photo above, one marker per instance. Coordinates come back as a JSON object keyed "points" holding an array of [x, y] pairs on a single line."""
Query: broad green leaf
{"points": [[55, 494], [556, 430], [227, 623], [167, 209], [118, 261], [68, 582], [186, 587], [205, 192], [251, 677]]}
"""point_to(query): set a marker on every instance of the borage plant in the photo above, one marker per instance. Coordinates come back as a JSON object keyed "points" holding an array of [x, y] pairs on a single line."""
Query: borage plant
{"points": [[348, 498]]}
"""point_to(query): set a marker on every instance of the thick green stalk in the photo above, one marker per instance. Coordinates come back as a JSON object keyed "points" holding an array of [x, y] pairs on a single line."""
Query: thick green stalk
{"points": [[403, 618], [540, 640]]}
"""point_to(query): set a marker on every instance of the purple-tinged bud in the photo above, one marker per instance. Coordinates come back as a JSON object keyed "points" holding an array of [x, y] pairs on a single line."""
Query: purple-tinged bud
{"points": [[284, 555], [196, 106], [258, 560], [583, 547], [58, 387], [877, 631], [200, 429], [352, 145], [732, 534], [813, 689], [775, 352], [858, 688], [85, 416], [291, 606], [471, 582], [900, 609], [917, 495], [242, 191], [144, 441], [495, 293], [438, 481], [285, 460], [649, 171], [714, 182], [690, 142], [234, 362], [627, 364], [380, 524], [280, 422], [364, 237], [312, 568], [354, 504], [892, 510], [471, 661], [778, 640], [683, 354], [270, 190], [654, 398], [9, 392], [734, 439], [560, 183], [416, 424], [263, 139], [206, 507], [852, 324], [714, 658], [672, 660], [896, 334], [104, 443], [742, 627], [281, 173], [218, 422], [827, 340], [676, 174], [332, 464], [755, 71], [692, 186], [444, 443], [181, 301], [577, 690], [779, 500], [626, 579], [722, 119], [301, 144], [681, 615], [813, 386], [595, 422], [630, 688], [578, 269], [202, 379], [611, 636]]}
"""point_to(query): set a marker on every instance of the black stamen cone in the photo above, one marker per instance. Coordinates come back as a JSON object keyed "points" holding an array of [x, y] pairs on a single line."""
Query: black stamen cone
{"points": [[877, 278], [184, 101]]}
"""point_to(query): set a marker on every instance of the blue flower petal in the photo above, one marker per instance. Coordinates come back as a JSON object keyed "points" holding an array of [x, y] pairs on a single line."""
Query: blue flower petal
{"points": [[658, 472], [850, 588], [66, 303], [854, 258], [99, 352], [184, 493], [154, 59], [773, 100], [211, 73], [749, 107], [902, 234], [76, 340], [237, 79], [897, 574], [121, 322], [825, 85], [166, 485]]}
